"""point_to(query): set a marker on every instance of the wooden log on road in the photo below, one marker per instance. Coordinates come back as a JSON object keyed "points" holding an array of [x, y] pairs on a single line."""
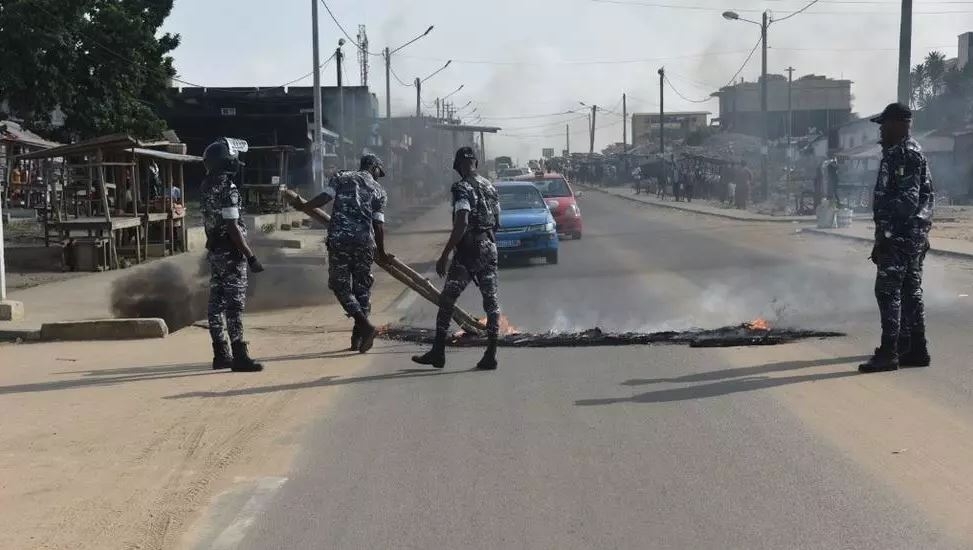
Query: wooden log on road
{"points": [[397, 269]]}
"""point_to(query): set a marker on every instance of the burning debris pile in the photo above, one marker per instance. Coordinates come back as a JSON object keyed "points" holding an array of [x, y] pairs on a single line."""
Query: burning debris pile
{"points": [[755, 333]]}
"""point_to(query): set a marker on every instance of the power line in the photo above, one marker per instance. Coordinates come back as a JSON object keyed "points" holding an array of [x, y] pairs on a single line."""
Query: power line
{"points": [[400, 80], [680, 94], [524, 117], [579, 62], [745, 62], [798, 12], [343, 31], [718, 10]]}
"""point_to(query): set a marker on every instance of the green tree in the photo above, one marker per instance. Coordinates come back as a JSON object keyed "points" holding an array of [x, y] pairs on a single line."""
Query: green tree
{"points": [[935, 71], [102, 62], [920, 83]]}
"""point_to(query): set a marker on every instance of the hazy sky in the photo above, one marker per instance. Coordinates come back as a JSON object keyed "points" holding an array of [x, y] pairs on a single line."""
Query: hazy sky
{"points": [[539, 57]]}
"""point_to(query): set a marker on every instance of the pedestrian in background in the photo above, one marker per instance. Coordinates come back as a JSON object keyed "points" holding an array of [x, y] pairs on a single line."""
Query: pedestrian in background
{"points": [[903, 209], [355, 236], [476, 217], [229, 255]]}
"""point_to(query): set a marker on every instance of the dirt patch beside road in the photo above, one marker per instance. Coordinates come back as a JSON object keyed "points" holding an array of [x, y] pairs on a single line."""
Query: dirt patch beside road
{"points": [[122, 444]]}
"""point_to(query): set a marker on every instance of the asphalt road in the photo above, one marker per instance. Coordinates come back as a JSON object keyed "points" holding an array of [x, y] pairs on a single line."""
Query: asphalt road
{"points": [[653, 447]]}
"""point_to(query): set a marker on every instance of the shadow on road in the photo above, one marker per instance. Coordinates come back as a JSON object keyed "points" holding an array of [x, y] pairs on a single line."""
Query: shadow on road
{"points": [[111, 377], [747, 371], [322, 382], [743, 380]]}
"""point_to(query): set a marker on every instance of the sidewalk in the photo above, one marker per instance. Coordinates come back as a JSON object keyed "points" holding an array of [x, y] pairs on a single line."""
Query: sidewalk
{"points": [[88, 296], [865, 232], [698, 208]]}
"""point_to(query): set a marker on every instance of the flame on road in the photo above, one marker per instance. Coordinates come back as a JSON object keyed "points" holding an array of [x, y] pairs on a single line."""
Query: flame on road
{"points": [[758, 324], [506, 328]]}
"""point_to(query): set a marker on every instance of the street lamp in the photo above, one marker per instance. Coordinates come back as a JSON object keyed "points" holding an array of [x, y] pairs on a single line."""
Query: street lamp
{"points": [[763, 24], [420, 81], [388, 69]]}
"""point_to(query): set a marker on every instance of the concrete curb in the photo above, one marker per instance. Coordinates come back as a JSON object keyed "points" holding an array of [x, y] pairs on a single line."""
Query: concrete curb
{"points": [[858, 238], [105, 329], [675, 206], [24, 335]]}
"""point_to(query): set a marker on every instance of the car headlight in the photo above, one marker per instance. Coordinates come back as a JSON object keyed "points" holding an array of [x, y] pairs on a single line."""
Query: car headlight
{"points": [[573, 210], [550, 227]]}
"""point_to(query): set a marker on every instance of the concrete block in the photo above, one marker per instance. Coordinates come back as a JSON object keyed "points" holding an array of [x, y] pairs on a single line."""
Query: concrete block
{"points": [[295, 244], [11, 310], [105, 329], [20, 335]]}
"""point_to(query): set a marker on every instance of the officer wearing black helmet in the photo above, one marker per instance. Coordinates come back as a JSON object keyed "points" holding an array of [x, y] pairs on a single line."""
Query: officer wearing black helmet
{"points": [[903, 208], [229, 255], [476, 217], [356, 234]]}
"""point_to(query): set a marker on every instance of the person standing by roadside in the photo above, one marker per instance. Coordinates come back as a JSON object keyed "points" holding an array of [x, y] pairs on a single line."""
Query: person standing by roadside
{"points": [[903, 209], [476, 217], [229, 255], [356, 235]]}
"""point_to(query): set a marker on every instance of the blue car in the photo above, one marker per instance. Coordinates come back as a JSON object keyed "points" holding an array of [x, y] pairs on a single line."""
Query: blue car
{"points": [[527, 228]]}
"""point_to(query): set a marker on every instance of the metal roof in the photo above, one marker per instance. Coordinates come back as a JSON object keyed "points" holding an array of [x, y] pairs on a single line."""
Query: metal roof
{"points": [[15, 133]]}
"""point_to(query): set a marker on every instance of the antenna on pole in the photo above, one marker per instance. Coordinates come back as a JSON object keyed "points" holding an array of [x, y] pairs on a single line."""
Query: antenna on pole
{"points": [[363, 54]]}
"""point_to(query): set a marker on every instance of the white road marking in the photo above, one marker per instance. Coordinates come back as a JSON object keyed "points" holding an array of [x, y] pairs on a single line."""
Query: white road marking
{"points": [[233, 535]]}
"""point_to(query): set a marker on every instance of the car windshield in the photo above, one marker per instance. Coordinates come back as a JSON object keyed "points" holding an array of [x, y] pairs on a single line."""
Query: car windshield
{"points": [[553, 188], [508, 172], [520, 197]]}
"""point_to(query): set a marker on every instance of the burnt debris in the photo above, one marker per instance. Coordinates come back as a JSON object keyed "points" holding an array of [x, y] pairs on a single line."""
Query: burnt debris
{"points": [[734, 336]]}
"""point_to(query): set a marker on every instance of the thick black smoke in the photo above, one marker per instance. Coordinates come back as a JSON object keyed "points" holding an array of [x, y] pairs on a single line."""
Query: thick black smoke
{"points": [[179, 294]]}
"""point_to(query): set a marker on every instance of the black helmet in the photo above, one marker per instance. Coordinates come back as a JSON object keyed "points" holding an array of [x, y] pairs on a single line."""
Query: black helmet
{"points": [[369, 161], [223, 156], [461, 154]]}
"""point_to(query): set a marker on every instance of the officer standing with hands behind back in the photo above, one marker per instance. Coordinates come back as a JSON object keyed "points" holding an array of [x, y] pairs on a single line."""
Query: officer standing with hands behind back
{"points": [[476, 216], [903, 207], [229, 254]]}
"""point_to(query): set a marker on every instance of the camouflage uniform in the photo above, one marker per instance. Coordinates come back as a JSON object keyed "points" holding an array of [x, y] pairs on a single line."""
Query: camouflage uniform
{"points": [[476, 255], [903, 206], [359, 201], [228, 268]]}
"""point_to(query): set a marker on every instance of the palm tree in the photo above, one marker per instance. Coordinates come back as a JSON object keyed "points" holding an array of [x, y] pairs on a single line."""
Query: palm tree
{"points": [[935, 71], [919, 82]]}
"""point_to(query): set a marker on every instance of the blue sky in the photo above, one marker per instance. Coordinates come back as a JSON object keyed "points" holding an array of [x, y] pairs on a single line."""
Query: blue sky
{"points": [[538, 57]]}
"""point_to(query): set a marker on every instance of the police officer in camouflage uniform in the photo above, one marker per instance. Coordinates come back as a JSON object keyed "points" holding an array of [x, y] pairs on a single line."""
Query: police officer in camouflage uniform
{"points": [[355, 236], [903, 207], [476, 217], [229, 255]]}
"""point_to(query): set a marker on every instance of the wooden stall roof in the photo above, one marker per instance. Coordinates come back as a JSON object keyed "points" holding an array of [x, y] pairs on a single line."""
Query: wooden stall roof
{"points": [[114, 141], [13, 132], [165, 155], [276, 148]]}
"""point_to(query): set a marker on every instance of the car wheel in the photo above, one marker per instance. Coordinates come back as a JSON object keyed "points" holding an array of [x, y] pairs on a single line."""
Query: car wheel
{"points": [[552, 257], [577, 236]]}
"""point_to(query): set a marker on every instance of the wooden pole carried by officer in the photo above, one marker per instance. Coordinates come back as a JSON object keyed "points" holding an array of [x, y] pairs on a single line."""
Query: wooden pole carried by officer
{"points": [[396, 268]]}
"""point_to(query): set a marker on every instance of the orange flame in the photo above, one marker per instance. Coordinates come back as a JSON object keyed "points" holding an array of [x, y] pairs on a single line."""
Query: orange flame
{"points": [[506, 328], [758, 324]]}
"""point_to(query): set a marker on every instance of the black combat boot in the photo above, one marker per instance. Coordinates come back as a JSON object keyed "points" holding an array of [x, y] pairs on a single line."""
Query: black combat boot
{"points": [[436, 357], [489, 360], [221, 356], [355, 338], [241, 359], [366, 333], [886, 358], [917, 354]]}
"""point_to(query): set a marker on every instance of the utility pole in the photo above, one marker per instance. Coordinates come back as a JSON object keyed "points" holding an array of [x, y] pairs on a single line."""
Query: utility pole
{"points": [[662, 113], [388, 85], [790, 108], [317, 148], [340, 57], [418, 97], [594, 119], [363, 54], [567, 138], [625, 134], [764, 182], [905, 53]]}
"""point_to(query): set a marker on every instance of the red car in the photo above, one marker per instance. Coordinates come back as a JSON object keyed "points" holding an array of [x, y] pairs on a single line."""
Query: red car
{"points": [[561, 199]]}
